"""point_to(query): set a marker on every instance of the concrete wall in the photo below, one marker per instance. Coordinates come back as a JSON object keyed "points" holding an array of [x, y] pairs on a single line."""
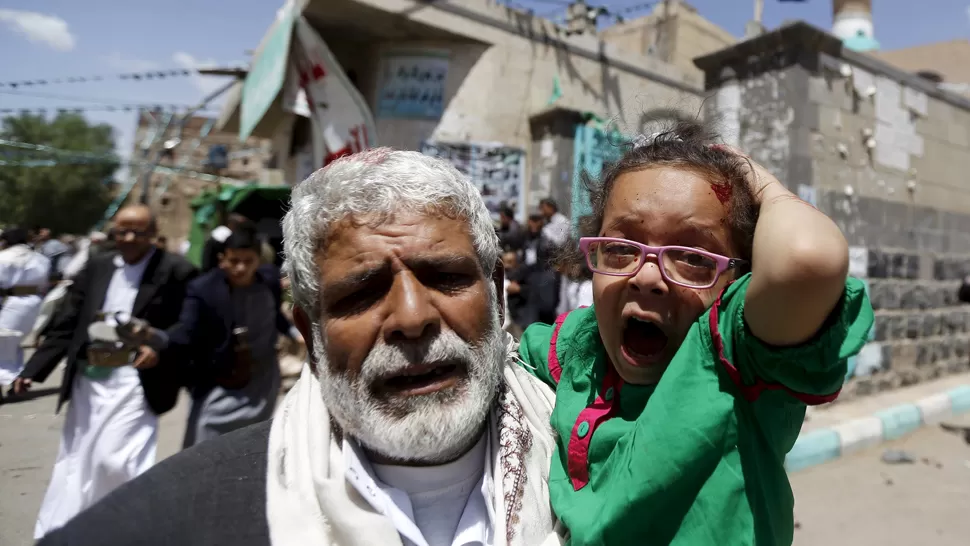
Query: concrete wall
{"points": [[683, 35], [552, 151], [885, 155], [502, 67]]}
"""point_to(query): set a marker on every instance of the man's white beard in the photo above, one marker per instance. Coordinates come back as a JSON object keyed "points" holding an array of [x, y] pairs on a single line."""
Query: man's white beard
{"points": [[430, 428]]}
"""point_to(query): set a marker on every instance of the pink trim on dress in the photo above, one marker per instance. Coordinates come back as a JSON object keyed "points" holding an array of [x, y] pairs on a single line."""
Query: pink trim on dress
{"points": [[555, 369], [577, 462], [752, 392]]}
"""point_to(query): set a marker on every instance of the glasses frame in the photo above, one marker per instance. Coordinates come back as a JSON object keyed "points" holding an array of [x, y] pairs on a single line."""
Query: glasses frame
{"points": [[724, 263]]}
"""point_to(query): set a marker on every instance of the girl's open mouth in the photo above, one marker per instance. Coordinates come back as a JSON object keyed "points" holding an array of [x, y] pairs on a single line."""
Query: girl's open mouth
{"points": [[643, 342]]}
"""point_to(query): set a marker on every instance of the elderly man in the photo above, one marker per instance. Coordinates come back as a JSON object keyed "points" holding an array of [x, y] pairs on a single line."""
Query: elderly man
{"points": [[411, 425], [111, 427]]}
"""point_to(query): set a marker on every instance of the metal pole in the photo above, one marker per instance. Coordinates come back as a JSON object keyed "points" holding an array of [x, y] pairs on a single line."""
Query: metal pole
{"points": [[759, 9], [146, 181]]}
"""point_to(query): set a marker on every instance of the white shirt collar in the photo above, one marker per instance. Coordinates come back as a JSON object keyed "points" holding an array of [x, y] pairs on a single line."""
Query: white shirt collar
{"points": [[139, 265], [475, 527]]}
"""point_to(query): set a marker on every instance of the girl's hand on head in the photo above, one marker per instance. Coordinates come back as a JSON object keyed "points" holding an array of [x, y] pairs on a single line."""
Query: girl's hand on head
{"points": [[763, 184]]}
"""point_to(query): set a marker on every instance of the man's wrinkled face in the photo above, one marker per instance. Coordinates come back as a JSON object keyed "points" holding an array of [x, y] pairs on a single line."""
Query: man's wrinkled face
{"points": [[409, 349]]}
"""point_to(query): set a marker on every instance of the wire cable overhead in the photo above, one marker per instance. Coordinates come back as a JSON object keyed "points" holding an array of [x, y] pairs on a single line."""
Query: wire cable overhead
{"points": [[131, 76]]}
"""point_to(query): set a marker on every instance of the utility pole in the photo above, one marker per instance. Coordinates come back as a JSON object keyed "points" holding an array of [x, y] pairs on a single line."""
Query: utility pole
{"points": [[146, 181]]}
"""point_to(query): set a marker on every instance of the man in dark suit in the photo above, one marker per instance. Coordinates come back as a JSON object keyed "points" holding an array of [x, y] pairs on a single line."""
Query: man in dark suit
{"points": [[111, 427], [230, 324]]}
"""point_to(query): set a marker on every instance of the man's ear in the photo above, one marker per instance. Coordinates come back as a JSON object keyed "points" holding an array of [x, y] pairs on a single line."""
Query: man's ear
{"points": [[498, 278], [305, 326]]}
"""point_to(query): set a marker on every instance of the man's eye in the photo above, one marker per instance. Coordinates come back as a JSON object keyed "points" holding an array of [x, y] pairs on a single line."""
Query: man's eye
{"points": [[353, 304], [445, 282]]}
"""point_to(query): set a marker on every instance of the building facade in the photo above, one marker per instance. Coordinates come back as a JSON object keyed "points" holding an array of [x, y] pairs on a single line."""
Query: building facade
{"points": [[191, 159], [885, 153], [495, 78]]}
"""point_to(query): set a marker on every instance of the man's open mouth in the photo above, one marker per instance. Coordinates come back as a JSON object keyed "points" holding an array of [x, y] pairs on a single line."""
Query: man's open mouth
{"points": [[423, 379], [643, 342]]}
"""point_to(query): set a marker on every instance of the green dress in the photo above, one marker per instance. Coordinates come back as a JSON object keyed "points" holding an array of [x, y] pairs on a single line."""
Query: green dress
{"points": [[699, 457]]}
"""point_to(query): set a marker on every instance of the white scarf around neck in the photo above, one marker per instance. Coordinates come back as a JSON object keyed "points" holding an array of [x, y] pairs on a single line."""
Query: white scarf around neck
{"points": [[309, 501]]}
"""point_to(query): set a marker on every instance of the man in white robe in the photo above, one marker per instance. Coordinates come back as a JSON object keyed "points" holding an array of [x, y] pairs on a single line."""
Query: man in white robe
{"points": [[23, 281], [111, 427]]}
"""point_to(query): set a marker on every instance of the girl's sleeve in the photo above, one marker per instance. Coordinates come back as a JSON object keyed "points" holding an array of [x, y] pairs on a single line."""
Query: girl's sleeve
{"points": [[534, 352], [813, 371]]}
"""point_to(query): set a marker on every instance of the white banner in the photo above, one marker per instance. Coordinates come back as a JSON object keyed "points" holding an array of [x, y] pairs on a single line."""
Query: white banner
{"points": [[342, 122]]}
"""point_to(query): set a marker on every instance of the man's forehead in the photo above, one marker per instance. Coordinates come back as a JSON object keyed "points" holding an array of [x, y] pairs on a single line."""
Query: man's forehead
{"points": [[133, 217], [355, 243]]}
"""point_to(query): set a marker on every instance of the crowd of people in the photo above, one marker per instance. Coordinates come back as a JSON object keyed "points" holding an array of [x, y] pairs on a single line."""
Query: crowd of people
{"points": [[213, 334], [661, 414], [538, 287]]}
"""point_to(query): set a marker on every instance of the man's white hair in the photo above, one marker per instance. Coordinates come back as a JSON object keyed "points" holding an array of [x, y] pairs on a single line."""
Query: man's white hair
{"points": [[378, 182]]}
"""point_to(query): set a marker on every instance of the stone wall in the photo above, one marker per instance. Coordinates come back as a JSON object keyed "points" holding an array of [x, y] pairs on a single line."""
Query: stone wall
{"points": [[885, 155]]}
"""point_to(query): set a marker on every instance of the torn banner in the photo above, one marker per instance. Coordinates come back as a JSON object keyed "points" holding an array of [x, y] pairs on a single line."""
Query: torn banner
{"points": [[342, 122]]}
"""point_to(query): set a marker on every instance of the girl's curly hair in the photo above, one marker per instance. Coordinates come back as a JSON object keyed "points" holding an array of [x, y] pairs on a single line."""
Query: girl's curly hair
{"points": [[686, 145]]}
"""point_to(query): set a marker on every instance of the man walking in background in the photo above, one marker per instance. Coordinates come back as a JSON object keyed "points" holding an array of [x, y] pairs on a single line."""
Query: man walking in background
{"points": [[229, 325], [111, 427], [556, 230], [23, 281]]}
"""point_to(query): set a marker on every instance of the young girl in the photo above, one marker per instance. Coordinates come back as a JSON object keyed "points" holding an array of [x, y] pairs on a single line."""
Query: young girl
{"points": [[679, 392]]}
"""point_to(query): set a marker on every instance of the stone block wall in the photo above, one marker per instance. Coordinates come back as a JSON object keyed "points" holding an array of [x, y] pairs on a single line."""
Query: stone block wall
{"points": [[885, 155], [921, 332]]}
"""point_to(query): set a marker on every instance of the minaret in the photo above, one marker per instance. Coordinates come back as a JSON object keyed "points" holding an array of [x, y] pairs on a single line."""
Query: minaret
{"points": [[852, 22]]}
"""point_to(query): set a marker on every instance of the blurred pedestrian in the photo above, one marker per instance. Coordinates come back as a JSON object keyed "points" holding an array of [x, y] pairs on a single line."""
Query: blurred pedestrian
{"points": [[511, 235], [230, 325], [23, 281], [116, 394], [556, 228], [217, 238]]}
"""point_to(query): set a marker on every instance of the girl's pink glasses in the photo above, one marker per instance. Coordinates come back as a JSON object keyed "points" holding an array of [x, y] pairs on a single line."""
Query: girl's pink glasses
{"points": [[680, 265]]}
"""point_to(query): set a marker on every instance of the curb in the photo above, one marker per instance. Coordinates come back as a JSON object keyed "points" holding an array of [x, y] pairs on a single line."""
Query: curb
{"points": [[823, 445]]}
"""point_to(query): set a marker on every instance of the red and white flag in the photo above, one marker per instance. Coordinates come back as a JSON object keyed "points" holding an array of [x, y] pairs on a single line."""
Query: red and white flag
{"points": [[343, 123]]}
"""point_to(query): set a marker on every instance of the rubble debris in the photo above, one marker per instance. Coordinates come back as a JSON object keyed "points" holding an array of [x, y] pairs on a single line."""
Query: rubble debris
{"points": [[897, 456]]}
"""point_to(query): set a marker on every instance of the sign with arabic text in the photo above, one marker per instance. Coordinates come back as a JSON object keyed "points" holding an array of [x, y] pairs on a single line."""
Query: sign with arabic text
{"points": [[413, 84]]}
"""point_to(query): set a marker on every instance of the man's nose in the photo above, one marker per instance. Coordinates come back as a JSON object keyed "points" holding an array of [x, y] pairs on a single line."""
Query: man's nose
{"points": [[128, 237], [412, 315], [649, 280]]}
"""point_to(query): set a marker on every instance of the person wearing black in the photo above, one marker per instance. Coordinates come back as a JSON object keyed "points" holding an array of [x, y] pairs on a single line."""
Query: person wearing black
{"points": [[111, 428], [510, 233], [534, 285], [230, 324]]}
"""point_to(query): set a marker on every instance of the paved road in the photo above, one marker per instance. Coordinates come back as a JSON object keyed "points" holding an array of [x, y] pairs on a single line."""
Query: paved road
{"points": [[29, 437], [861, 501], [857, 501]]}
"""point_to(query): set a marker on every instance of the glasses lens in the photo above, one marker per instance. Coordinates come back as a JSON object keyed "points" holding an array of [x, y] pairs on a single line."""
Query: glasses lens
{"points": [[690, 268], [614, 257]]}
